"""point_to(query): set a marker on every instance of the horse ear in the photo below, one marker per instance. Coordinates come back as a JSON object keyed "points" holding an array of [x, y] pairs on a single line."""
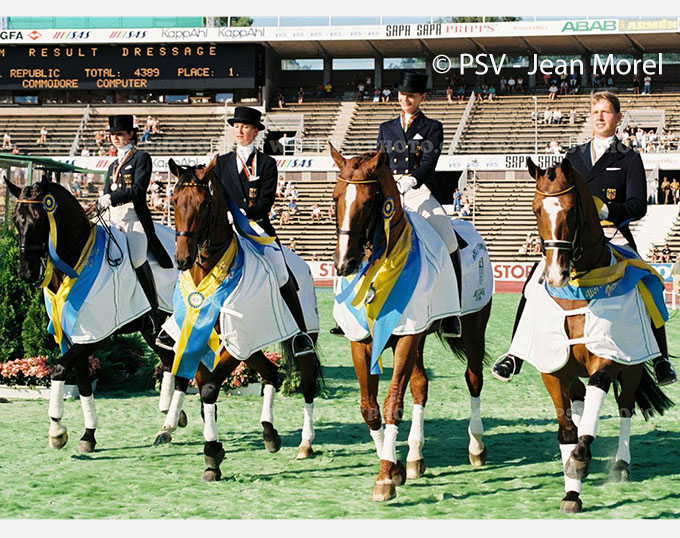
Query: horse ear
{"points": [[174, 169], [565, 165], [211, 166], [377, 159], [339, 159], [15, 190], [45, 183], [534, 170]]}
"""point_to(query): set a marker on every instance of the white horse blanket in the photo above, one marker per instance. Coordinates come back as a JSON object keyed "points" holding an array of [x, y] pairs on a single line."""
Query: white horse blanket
{"points": [[477, 274], [254, 315], [616, 328]]}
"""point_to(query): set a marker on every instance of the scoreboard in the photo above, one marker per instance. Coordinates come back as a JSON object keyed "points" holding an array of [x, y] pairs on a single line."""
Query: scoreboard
{"points": [[135, 67]]}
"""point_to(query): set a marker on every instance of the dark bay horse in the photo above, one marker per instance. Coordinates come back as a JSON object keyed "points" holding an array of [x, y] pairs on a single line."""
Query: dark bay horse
{"points": [[574, 246], [203, 235], [364, 183], [73, 230]]}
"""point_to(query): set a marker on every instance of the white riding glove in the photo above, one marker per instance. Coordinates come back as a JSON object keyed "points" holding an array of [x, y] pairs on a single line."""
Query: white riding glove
{"points": [[104, 202], [406, 183]]}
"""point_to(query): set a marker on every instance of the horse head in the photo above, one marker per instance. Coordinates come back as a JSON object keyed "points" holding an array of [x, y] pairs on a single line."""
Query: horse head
{"points": [[199, 207], [33, 226], [364, 183], [567, 221]]}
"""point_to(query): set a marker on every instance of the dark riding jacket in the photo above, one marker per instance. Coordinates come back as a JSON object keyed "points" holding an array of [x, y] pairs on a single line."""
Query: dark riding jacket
{"points": [[416, 151], [132, 184], [618, 178], [255, 197]]}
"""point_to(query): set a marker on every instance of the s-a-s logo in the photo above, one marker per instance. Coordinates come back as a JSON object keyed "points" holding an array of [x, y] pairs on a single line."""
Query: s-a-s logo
{"points": [[71, 35], [129, 34]]}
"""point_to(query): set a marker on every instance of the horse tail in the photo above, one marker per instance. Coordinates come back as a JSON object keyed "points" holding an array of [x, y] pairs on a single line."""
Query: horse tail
{"points": [[290, 378], [648, 396], [475, 323], [457, 347]]}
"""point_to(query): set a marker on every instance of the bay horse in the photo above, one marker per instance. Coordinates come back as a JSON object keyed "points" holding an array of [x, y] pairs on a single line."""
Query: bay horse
{"points": [[73, 228], [574, 246], [365, 182], [203, 234]]}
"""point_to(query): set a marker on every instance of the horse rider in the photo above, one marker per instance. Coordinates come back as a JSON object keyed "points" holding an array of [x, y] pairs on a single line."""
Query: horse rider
{"points": [[413, 143], [616, 176], [127, 181], [249, 178]]}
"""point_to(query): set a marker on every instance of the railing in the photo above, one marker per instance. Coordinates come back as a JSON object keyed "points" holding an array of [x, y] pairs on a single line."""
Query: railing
{"points": [[76, 141], [462, 123], [311, 144], [662, 123]]}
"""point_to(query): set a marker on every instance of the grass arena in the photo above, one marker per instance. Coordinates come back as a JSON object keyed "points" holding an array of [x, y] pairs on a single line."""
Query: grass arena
{"points": [[311, 85]]}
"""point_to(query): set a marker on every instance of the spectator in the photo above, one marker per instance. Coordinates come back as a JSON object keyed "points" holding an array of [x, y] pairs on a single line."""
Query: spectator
{"points": [[101, 151], [85, 152], [557, 116], [316, 213], [503, 85], [636, 85], [461, 93], [674, 190], [328, 88], [656, 255], [520, 84], [610, 82], [284, 218], [467, 209], [292, 209], [360, 91], [572, 116], [274, 213], [369, 82], [289, 189], [301, 95], [156, 126], [491, 94], [280, 186], [666, 190], [546, 80], [456, 200], [280, 99], [547, 115], [16, 150], [511, 84], [99, 138], [564, 87], [376, 95], [449, 93], [146, 135], [6, 141], [113, 151], [647, 87], [666, 254], [331, 212], [553, 92], [319, 90], [527, 247], [42, 139], [573, 82], [387, 93], [653, 191], [293, 244]]}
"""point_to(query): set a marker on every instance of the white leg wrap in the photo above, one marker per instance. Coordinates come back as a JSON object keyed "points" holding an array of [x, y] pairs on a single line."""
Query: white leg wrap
{"points": [[576, 412], [389, 451], [308, 426], [210, 422], [623, 452], [591, 411], [89, 411], [476, 428], [56, 409], [416, 437], [570, 484], [167, 387], [379, 439], [172, 417], [268, 404]]}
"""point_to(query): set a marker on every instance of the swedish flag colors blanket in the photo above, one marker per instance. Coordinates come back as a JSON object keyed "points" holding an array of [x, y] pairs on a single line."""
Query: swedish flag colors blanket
{"points": [[413, 288], [242, 294], [97, 299], [618, 322]]}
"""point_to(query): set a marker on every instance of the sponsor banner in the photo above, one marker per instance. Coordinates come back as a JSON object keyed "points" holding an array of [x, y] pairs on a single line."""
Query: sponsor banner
{"points": [[440, 30], [160, 163]]}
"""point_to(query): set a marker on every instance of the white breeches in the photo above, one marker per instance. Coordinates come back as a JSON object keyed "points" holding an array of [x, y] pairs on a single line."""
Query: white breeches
{"points": [[125, 217], [422, 202]]}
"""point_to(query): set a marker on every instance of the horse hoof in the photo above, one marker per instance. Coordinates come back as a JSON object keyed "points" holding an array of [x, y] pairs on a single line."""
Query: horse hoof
{"points": [[182, 422], [304, 451], [575, 469], [163, 437], [398, 474], [274, 444], [85, 447], [384, 490], [59, 441], [620, 472], [477, 460], [212, 475], [571, 504], [415, 469]]}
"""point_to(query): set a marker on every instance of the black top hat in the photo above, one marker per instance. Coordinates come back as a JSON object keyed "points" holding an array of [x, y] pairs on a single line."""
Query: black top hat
{"points": [[412, 82], [244, 114], [122, 122]]}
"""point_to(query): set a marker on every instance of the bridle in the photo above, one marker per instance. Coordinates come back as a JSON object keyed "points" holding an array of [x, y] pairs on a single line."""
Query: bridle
{"points": [[23, 248], [574, 248]]}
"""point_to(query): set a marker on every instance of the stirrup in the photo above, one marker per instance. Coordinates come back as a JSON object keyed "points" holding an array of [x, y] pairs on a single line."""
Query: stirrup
{"points": [[164, 340], [302, 345], [667, 377], [457, 329], [512, 372]]}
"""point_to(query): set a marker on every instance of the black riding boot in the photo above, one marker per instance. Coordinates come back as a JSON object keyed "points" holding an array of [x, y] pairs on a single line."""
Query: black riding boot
{"points": [[450, 327], [663, 369], [302, 343], [146, 280]]}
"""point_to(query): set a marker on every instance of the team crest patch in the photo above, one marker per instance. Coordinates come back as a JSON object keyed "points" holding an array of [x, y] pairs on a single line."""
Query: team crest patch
{"points": [[611, 194], [196, 299]]}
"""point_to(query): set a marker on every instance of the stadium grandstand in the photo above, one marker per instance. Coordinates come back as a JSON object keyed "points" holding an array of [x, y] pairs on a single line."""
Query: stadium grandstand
{"points": [[499, 88]]}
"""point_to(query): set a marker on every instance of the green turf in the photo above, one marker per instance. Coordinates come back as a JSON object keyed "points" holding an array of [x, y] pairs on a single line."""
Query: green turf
{"points": [[127, 478]]}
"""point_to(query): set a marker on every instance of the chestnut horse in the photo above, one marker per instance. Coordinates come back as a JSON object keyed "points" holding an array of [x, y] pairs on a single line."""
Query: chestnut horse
{"points": [[365, 182], [203, 235], [73, 229], [573, 243]]}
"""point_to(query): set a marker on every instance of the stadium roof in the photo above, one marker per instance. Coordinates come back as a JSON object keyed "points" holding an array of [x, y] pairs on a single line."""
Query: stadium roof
{"points": [[45, 163]]}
